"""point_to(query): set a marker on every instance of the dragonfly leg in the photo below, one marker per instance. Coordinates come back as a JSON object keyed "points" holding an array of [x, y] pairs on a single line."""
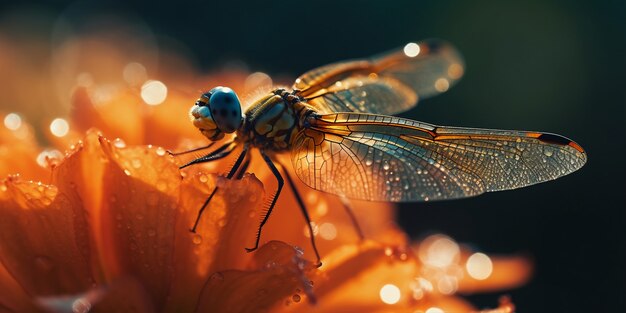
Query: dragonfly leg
{"points": [[281, 182], [244, 167], [192, 150], [230, 175], [348, 207], [217, 154], [305, 213]]}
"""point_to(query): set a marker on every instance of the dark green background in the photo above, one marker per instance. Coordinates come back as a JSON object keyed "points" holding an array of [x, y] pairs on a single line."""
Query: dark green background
{"points": [[556, 66]]}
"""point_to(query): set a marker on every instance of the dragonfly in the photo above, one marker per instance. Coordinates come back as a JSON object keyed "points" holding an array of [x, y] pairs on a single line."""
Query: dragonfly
{"points": [[337, 126]]}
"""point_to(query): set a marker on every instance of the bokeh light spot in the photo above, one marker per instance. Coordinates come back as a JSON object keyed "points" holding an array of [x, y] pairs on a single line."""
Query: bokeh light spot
{"points": [[135, 73], [45, 155], [153, 92], [439, 251], [257, 80], [328, 231], [411, 49], [479, 266], [434, 310], [390, 294], [12, 121], [455, 70], [59, 127], [442, 84]]}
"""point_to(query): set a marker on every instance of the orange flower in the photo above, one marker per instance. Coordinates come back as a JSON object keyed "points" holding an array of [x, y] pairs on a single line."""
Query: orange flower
{"points": [[106, 229]]}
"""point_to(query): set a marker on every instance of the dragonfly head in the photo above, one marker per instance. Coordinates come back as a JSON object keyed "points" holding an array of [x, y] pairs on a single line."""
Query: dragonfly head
{"points": [[217, 112]]}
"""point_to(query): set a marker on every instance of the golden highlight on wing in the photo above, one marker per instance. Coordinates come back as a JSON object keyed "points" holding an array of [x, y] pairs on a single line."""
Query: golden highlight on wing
{"points": [[384, 158], [387, 84]]}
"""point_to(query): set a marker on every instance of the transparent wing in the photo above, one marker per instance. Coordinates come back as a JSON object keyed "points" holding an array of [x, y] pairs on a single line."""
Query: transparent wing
{"points": [[383, 158], [387, 84]]}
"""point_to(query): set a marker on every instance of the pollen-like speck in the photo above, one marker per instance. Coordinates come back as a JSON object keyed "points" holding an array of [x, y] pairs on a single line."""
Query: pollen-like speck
{"points": [[59, 127], [12, 121], [153, 92]]}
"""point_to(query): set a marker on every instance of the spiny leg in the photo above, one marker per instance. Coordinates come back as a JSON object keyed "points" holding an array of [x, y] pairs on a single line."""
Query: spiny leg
{"points": [[216, 154], [305, 213], [281, 182], [232, 172], [192, 150], [355, 222]]}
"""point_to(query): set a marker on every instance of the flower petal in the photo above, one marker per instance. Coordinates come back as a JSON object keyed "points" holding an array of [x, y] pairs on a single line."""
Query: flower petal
{"points": [[40, 239], [227, 226], [275, 282], [13, 298], [353, 276], [508, 272], [131, 196], [140, 188], [126, 295]]}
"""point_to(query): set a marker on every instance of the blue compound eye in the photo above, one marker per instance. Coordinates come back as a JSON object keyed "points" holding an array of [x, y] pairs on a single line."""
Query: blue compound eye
{"points": [[225, 109]]}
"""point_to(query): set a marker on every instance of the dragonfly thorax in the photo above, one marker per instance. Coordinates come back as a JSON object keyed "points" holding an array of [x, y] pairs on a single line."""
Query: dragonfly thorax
{"points": [[271, 121]]}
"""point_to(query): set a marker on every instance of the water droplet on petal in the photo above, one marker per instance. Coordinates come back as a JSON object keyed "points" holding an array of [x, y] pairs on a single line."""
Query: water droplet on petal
{"points": [[296, 298], [160, 151], [196, 239], [119, 143], [136, 163], [161, 185], [216, 278]]}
